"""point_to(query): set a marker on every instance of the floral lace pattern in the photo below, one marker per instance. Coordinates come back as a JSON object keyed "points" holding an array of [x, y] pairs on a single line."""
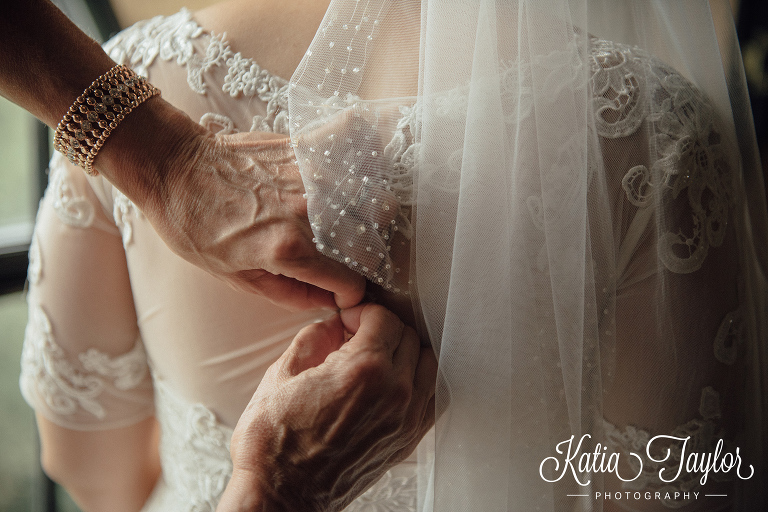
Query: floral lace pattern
{"points": [[72, 209], [123, 210], [628, 88], [195, 446], [35, 269], [172, 38], [165, 37], [245, 77], [218, 123], [194, 451], [689, 157], [618, 76], [68, 385], [704, 435]]}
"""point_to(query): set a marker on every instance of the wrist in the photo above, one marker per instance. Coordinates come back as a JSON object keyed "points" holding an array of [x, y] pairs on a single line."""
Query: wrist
{"points": [[244, 493], [148, 150]]}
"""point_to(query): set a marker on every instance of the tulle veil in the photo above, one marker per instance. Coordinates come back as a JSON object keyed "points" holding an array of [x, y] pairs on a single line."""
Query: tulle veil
{"points": [[569, 192]]}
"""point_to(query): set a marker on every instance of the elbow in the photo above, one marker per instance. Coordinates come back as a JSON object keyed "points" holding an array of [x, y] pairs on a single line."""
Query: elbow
{"points": [[67, 473], [54, 468]]}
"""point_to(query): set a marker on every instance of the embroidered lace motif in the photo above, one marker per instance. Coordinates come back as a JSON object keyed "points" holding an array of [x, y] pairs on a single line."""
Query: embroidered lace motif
{"points": [[628, 87], [71, 209], [704, 435], [703, 432], [35, 269], [194, 450], [246, 77], [123, 209], [687, 141], [218, 123], [171, 38], [68, 385], [167, 37], [618, 75]]}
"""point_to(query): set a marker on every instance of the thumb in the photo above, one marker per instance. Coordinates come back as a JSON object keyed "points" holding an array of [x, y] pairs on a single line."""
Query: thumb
{"points": [[313, 344]]}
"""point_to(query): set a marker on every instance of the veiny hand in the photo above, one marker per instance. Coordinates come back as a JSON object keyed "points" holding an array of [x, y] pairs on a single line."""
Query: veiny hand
{"points": [[232, 205], [330, 417], [238, 211]]}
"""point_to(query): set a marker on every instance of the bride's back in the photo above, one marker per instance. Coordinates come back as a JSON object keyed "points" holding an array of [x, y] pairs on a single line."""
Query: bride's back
{"points": [[208, 345]]}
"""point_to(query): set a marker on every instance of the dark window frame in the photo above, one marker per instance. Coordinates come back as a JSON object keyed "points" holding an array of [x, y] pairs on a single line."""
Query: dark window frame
{"points": [[14, 258]]}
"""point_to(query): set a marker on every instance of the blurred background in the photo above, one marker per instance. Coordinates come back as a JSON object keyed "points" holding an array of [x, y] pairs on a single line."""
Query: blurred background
{"points": [[25, 148]]}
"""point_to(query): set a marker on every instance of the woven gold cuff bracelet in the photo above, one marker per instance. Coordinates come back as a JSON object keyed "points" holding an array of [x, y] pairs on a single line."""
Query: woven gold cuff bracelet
{"points": [[92, 117]]}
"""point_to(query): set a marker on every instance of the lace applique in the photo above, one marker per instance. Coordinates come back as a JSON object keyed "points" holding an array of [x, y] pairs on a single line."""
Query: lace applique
{"points": [[67, 386], [704, 436], [123, 209], [171, 38], [71, 209], [516, 91], [689, 158], [692, 160], [35, 269], [245, 77], [165, 37], [728, 338], [216, 54], [194, 450], [218, 123], [637, 185], [403, 151], [618, 73]]}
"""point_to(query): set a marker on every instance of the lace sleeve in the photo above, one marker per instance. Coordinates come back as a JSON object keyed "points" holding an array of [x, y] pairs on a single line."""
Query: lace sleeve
{"points": [[83, 364]]}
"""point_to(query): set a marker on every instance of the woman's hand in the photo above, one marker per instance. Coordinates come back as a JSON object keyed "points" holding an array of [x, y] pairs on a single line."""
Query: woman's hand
{"points": [[233, 205], [330, 417]]}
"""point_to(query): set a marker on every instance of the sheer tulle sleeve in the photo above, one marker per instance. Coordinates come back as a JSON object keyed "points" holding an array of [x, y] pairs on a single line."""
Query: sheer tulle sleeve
{"points": [[83, 364]]}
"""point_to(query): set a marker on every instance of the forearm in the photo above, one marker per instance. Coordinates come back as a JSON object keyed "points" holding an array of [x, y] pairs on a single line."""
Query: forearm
{"points": [[243, 495], [148, 150], [46, 62], [112, 470]]}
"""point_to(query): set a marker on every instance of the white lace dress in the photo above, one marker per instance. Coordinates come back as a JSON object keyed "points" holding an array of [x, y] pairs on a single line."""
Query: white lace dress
{"points": [[121, 328]]}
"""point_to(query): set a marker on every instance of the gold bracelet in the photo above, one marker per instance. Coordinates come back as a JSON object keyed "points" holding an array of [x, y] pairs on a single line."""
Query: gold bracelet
{"points": [[92, 117]]}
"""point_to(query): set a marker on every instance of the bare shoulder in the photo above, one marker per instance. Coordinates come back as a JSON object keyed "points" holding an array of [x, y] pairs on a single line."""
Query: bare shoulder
{"points": [[275, 33]]}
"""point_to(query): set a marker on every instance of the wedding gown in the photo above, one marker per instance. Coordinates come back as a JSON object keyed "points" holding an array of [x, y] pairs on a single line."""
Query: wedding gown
{"points": [[121, 328]]}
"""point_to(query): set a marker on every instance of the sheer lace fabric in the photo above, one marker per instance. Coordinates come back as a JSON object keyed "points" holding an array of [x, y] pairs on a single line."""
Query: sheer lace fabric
{"points": [[121, 328], [567, 212]]}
